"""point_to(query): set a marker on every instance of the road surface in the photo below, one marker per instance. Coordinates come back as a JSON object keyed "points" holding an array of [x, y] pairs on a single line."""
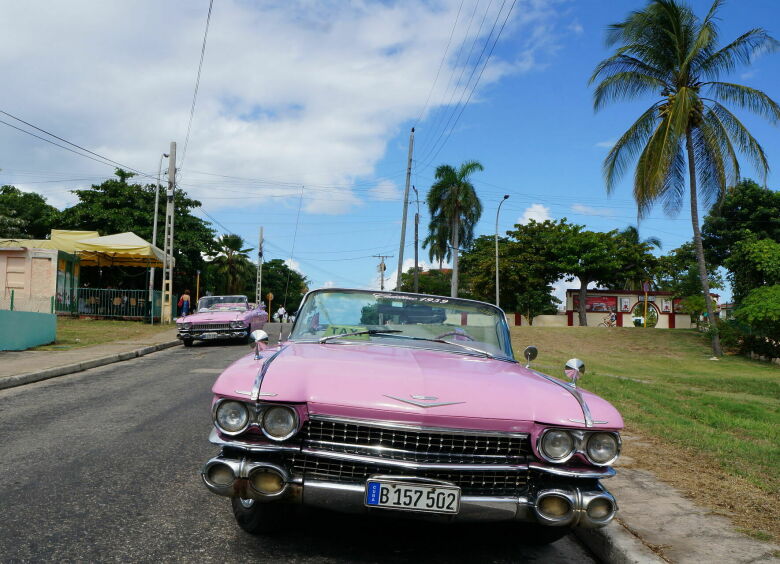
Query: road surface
{"points": [[103, 465]]}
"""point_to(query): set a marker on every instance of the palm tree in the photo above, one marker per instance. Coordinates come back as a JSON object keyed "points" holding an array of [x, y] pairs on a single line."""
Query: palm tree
{"points": [[455, 209], [644, 263], [438, 241], [231, 262], [666, 50]]}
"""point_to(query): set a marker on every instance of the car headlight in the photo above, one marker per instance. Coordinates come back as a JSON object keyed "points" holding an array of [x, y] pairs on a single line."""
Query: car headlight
{"points": [[280, 423], [184, 326], [237, 324], [602, 448], [557, 445], [232, 417]]}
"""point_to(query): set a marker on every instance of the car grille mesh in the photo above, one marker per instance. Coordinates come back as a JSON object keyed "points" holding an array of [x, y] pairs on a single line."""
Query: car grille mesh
{"points": [[482, 483], [412, 445], [210, 326]]}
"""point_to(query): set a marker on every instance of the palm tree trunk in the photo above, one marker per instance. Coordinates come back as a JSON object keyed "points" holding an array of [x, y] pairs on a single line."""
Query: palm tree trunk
{"points": [[583, 302], [705, 284], [455, 242]]}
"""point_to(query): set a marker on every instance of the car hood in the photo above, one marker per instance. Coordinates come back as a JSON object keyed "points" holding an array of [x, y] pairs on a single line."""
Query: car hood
{"points": [[212, 316], [411, 384]]}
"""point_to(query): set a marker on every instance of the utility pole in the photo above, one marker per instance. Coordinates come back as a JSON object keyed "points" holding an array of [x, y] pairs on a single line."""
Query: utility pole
{"points": [[259, 283], [506, 197], [167, 289], [154, 237], [406, 204], [382, 267], [416, 240]]}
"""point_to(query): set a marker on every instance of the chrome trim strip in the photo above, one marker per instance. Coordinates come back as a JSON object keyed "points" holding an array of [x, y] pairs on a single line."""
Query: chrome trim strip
{"points": [[315, 443], [215, 439], [394, 425], [261, 373], [570, 473], [573, 391], [413, 465], [423, 404]]}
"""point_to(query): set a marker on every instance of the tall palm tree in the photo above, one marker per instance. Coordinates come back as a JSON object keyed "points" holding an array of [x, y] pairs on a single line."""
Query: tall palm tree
{"points": [[455, 209], [665, 50], [644, 262], [438, 241], [231, 261]]}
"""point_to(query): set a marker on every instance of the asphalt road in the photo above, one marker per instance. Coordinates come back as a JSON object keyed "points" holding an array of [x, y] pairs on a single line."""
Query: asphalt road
{"points": [[103, 465]]}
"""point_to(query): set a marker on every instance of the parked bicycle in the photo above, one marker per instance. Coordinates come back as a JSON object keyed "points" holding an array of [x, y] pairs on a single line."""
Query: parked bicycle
{"points": [[609, 321]]}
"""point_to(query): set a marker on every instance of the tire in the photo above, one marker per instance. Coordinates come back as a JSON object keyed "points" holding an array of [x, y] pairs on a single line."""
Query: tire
{"points": [[258, 518], [602, 324], [537, 535], [187, 342]]}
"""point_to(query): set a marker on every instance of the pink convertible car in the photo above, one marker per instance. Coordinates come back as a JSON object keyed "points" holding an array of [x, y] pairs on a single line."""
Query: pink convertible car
{"points": [[221, 317], [410, 405]]}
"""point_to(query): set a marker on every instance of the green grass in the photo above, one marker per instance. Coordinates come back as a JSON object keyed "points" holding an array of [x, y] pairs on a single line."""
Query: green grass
{"points": [[73, 333], [666, 387]]}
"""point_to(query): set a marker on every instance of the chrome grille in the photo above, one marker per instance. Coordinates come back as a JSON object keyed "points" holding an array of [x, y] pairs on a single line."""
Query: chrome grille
{"points": [[490, 483], [423, 446], [210, 326]]}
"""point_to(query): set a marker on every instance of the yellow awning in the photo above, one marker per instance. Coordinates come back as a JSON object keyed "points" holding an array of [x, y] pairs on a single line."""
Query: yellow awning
{"points": [[121, 249]]}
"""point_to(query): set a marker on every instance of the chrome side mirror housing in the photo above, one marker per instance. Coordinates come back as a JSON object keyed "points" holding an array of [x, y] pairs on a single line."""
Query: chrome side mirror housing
{"points": [[260, 339], [574, 369], [530, 353]]}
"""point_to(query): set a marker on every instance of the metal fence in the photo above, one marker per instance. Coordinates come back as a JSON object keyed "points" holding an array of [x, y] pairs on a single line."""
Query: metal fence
{"points": [[111, 303], [15, 301]]}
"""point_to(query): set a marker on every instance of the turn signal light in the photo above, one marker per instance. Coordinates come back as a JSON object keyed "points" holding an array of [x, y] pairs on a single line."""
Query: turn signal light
{"points": [[267, 482], [554, 506], [600, 508], [221, 475]]}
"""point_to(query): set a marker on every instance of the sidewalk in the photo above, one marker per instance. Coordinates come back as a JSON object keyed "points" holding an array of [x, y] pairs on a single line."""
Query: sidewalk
{"points": [[21, 367]]}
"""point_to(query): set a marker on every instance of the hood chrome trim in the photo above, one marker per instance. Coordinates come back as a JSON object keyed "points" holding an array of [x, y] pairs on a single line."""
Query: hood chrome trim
{"points": [[261, 373], [573, 391], [423, 404]]}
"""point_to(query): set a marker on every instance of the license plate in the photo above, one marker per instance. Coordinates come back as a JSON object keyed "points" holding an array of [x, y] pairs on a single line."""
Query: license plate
{"points": [[412, 497], [209, 336]]}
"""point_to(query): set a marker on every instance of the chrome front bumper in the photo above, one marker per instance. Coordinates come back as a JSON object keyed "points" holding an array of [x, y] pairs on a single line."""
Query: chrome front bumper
{"points": [[221, 334], [578, 489]]}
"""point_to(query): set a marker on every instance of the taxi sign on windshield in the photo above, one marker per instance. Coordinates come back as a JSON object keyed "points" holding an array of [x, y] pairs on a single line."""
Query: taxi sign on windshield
{"points": [[345, 330]]}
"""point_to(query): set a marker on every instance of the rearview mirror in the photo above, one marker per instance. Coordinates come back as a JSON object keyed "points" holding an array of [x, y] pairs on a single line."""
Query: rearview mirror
{"points": [[530, 353], [574, 369]]}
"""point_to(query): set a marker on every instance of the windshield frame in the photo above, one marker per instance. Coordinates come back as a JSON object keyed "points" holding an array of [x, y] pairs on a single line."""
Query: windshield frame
{"points": [[245, 302], [504, 332]]}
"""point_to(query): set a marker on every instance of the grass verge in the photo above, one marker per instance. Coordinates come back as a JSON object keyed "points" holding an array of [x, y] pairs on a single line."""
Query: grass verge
{"points": [[713, 427], [74, 333]]}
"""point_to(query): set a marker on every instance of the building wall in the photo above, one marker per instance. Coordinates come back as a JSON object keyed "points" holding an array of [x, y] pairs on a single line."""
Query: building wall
{"points": [[32, 276], [20, 330]]}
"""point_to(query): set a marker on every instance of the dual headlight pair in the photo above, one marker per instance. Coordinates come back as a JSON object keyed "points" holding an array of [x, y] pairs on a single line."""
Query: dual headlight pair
{"points": [[599, 447], [237, 325], [278, 422], [185, 326]]}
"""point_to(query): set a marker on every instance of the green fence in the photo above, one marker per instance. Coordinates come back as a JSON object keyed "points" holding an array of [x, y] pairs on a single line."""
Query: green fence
{"points": [[112, 303]]}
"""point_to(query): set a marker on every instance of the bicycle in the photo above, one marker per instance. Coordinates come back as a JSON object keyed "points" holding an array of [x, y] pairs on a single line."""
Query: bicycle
{"points": [[608, 321]]}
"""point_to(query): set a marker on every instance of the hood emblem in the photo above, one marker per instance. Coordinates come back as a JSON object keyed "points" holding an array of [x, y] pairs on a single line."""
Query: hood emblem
{"points": [[416, 400]]}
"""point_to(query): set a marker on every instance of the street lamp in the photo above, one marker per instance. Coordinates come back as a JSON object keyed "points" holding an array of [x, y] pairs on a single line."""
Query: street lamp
{"points": [[506, 197], [416, 238], [154, 236]]}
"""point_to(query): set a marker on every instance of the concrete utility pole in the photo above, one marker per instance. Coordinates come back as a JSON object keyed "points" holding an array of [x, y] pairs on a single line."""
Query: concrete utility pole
{"points": [[258, 285], [403, 218], [167, 289], [382, 269], [154, 237], [506, 197], [416, 240]]}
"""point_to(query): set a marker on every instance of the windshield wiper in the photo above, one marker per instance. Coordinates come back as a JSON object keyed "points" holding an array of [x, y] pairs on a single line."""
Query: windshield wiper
{"points": [[354, 333], [468, 348]]}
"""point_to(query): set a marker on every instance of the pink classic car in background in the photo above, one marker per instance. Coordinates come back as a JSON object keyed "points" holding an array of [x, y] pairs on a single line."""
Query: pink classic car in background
{"points": [[221, 317], [413, 405]]}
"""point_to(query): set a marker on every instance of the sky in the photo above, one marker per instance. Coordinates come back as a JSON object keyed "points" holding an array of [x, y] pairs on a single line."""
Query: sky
{"points": [[304, 110]]}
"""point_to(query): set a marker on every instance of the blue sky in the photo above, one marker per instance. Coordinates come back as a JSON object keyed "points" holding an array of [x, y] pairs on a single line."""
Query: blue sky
{"points": [[322, 95]]}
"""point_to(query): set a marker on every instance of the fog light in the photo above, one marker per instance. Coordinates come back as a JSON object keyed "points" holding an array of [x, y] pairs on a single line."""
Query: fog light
{"points": [[220, 475], [600, 508], [267, 482], [554, 506]]}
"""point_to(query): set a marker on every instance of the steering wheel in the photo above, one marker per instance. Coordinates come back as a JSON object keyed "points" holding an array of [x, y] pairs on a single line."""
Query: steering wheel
{"points": [[456, 334]]}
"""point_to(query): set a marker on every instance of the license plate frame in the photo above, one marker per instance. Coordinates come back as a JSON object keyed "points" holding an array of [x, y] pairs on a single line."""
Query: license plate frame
{"points": [[209, 335], [443, 502]]}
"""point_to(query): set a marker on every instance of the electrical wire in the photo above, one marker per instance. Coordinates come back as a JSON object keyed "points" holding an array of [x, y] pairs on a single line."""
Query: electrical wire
{"points": [[292, 250]]}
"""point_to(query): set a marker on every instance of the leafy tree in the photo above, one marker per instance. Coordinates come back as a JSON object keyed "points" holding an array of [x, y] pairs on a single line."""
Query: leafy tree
{"points": [[116, 206], [638, 261], [287, 285], [12, 227], [537, 301], [678, 272], [37, 216], [666, 50], [230, 264], [455, 209], [761, 311], [753, 263], [433, 282]]}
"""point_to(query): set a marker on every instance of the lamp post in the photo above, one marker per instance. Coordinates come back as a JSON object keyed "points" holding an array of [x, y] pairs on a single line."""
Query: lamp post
{"points": [[416, 237], [154, 236], [506, 197]]}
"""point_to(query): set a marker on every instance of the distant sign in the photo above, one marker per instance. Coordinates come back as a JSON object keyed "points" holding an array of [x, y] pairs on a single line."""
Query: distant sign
{"points": [[269, 296]]}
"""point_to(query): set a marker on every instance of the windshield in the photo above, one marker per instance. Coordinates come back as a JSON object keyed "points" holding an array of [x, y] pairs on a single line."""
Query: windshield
{"points": [[476, 325], [223, 303]]}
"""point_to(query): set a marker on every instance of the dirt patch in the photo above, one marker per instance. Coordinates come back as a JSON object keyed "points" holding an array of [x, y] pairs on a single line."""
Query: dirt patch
{"points": [[752, 510]]}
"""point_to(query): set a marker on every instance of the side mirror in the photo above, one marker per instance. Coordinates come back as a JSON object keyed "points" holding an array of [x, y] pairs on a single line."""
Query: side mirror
{"points": [[260, 339], [530, 353], [574, 369]]}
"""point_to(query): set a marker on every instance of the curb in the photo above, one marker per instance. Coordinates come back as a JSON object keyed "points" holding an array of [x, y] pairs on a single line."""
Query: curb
{"points": [[617, 545], [30, 377]]}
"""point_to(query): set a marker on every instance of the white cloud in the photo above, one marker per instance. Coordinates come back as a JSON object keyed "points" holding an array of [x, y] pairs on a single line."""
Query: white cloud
{"points": [[589, 210], [747, 74], [293, 93], [385, 191], [329, 284], [392, 272], [576, 28], [608, 144], [537, 212], [293, 264]]}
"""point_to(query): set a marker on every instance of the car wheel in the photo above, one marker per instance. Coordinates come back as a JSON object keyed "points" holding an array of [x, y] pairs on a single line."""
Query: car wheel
{"points": [[187, 342], [536, 535], [259, 518]]}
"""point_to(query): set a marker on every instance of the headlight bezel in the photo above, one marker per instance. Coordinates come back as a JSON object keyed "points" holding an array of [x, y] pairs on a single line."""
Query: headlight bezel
{"points": [[580, 440], [215, 416], [295, 422], [184, 326], [238, 324]]}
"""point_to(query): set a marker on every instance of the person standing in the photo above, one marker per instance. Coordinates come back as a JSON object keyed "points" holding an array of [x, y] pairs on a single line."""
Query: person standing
{"points": [[184, 303]]}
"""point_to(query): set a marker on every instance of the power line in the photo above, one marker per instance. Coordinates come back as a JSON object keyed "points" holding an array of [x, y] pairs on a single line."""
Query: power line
{"points": [[197, 85]]}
